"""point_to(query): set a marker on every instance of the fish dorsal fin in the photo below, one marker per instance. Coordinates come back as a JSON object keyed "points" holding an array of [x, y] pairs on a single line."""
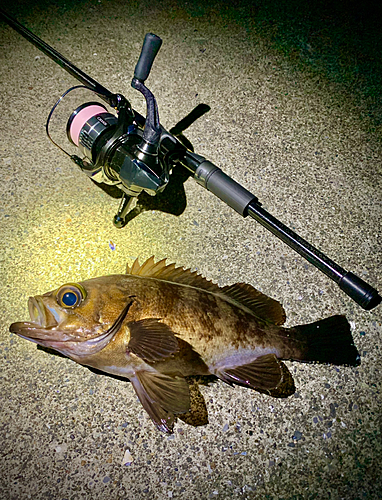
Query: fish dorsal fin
{"points": [[242, 294], [161, 271], [261, 305]]}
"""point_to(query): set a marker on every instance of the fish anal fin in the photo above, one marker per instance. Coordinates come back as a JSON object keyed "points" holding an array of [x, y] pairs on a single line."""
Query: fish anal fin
{"points": [[286, 387], [162, 397], [264, 373], [260, 305], [151, 340]]}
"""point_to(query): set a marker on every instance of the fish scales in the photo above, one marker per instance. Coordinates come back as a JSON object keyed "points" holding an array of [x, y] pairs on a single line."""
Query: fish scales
{"points": [[159, 324], [195, 315]]}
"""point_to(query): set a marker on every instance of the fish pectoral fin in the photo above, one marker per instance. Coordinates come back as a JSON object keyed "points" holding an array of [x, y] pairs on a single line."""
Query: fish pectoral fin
{"points": [[162, 397], [264, 373], [151, 340]]}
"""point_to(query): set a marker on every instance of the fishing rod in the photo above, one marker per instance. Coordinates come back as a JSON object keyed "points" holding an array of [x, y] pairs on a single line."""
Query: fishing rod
{"points": [[136, 154]]}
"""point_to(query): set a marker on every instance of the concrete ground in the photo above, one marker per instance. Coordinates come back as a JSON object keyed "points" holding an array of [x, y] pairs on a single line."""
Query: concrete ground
{"points": [[296, 118]]}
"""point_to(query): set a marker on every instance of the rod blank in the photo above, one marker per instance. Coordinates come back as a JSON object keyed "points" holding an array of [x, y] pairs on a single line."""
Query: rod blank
{"points": [[58, 58], [360, 291]]}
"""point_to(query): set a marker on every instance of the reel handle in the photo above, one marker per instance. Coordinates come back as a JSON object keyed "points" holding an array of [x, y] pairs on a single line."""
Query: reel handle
{"points": [[150, 48]]}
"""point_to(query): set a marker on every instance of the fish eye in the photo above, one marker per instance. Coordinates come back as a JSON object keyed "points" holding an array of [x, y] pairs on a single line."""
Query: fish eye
{"points": [[70, 295]]}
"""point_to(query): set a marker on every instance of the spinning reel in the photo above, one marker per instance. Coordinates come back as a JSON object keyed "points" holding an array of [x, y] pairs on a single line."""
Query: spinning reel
{"points": [[137, 154]]}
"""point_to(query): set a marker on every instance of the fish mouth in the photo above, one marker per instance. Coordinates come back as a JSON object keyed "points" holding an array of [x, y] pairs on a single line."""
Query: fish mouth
{"points": [[42, 327], [37, 312], [43, 331]]}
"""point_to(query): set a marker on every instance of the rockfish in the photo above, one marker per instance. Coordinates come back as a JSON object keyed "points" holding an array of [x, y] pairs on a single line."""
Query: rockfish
{"points": [[158, 324]]}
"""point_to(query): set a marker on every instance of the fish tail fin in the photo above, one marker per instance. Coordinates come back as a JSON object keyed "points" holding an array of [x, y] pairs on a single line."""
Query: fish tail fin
{"points": [[328, 341]]}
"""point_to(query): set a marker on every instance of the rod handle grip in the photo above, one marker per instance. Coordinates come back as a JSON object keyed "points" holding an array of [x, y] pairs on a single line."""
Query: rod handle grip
{"points": [[151, 45], [360, 291]]}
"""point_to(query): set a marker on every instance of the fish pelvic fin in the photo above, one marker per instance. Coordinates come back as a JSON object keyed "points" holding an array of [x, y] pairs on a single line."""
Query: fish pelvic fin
{"points": [[241, 294], [264, 373], [162, 397], [327, 341]]}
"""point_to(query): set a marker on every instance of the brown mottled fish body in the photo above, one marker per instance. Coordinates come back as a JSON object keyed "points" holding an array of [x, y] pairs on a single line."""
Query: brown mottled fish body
{"points": [[158, 324]]}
